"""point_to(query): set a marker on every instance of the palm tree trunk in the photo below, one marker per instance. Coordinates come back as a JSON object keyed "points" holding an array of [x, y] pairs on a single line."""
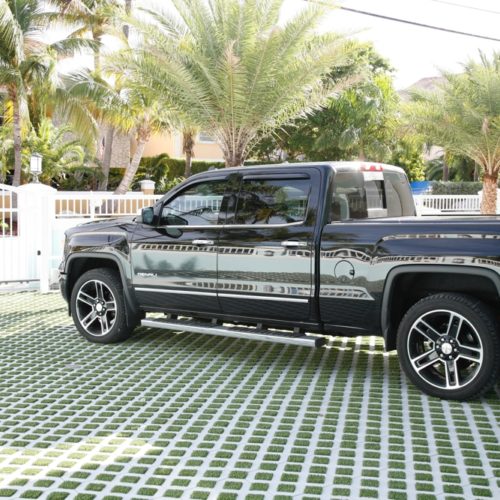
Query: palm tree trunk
{"points": [[234, 158], [446, 171], [128, 10], [106, 161], [489, 202], [16, 181], [187, 149], [96, 36], [143, 137]]}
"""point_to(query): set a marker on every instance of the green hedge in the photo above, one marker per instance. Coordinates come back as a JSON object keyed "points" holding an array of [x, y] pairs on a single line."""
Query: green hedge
{"points": [[165, 171], [439, 187]]}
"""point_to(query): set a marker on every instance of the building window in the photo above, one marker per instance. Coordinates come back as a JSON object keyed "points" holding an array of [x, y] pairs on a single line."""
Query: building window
{"points": [[205, 138]]}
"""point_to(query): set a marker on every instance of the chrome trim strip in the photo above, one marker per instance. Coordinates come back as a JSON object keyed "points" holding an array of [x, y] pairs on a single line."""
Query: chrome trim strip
{"points": [[261, 226], [170, 290], [227, 295], [262, 297], [236, 226]]}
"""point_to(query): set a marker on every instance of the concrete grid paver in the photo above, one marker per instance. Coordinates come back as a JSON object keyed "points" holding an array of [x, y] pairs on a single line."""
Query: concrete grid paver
{"points": [[193, 416]]}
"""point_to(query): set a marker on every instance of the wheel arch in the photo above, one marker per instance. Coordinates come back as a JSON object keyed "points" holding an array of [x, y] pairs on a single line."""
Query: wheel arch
{"points": [[77, 264], [422, 280]]}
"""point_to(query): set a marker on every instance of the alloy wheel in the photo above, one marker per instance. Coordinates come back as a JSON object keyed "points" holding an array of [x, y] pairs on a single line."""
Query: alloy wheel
{"points": [[445, 349], [96, 308]]}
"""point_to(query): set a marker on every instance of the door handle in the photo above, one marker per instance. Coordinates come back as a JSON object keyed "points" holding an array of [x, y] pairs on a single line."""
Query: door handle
{"points": [[203, 242], [293, 244]]}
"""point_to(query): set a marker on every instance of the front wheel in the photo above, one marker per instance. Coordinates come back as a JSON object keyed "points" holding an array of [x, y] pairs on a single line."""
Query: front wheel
{"points": [[99, 309], [448, 346]]}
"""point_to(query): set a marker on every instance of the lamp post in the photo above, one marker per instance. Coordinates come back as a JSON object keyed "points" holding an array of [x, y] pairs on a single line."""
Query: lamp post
{"points": [[36, 165]]}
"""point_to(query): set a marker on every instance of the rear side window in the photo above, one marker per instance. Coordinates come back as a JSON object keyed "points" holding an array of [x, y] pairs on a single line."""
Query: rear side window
{"points": [[399, 197], [272, 201], [372, 194]]}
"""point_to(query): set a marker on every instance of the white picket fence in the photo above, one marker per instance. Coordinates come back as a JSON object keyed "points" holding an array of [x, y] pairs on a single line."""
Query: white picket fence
{"points": [[98, 205], [34, 217], [427, 204]]}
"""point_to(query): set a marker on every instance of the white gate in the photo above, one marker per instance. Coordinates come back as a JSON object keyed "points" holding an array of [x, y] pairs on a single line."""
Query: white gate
{"points": [[18, 264], [25, 233]]}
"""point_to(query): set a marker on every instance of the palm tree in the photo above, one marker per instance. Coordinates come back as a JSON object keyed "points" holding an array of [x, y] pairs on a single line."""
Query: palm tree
{"points": [[231, 67], [463, 116], [141, 115], [26, 63], [96, 18]]}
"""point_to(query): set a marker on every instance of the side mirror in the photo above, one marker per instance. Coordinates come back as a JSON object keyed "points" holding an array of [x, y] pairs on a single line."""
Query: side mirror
{"points": [[147, 215]]}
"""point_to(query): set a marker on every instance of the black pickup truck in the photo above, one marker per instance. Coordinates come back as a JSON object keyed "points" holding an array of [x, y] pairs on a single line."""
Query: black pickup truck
{"points": [[281, 252]]}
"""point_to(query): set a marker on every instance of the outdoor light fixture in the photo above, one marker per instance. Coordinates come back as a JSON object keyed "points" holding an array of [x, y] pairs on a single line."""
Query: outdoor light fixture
{"points": [[36, 165]]}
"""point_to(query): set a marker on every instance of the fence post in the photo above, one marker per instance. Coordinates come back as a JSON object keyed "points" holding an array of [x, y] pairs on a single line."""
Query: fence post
{"points": [[36, 204]]}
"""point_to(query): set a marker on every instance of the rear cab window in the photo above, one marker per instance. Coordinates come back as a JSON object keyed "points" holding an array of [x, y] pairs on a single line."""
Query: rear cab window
{"points": [[370, 194]]}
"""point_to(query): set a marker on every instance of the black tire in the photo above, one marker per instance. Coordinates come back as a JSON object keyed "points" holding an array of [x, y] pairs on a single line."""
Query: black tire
{"points": [[449, 346], [98, 307]]}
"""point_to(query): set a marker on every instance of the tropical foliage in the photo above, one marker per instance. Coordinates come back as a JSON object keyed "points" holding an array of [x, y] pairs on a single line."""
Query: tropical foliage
{"points": [[264, 88], [464, 118], [61, 154], [231, 67], [357, 123], [27, 65], [361, 122]]}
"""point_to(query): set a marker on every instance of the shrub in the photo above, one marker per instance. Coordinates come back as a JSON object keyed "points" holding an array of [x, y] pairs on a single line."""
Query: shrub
{"points": [[439, 187]]}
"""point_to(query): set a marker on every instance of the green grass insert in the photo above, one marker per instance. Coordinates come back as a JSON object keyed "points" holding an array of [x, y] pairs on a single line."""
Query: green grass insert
{"points": [[173, 493], [31, 494], [367, 493], [181, 482], [287, 488], [233, 485], [69, 485]]}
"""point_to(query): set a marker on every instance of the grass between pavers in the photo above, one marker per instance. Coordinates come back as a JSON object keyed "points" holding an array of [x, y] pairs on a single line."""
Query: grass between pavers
{"points": [[173, 415]]}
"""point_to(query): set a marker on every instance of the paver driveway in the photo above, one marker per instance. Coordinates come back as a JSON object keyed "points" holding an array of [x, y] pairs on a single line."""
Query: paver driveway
{"points": [[169, 414]]}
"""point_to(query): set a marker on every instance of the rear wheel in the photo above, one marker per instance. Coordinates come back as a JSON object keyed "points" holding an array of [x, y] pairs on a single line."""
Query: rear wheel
{"points": [[449, 347], [99, 309]]}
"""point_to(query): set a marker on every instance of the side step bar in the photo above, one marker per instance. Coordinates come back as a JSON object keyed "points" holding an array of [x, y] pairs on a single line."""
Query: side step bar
{"points": [[233, 331]]}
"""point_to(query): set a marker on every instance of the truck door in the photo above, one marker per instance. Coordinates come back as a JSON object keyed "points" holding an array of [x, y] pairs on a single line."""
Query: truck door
{"points": [[350, 285], [265, 267], [174, 264]]}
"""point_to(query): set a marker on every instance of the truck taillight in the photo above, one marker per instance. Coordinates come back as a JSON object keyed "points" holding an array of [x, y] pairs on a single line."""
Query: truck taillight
{"points": [[372, 168]]}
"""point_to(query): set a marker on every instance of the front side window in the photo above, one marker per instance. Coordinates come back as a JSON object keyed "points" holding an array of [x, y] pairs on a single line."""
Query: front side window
{"points": [[272, 201], [198, 205]]}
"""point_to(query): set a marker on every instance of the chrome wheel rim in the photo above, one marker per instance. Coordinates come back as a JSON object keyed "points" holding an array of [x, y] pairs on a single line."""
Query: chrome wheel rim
{"points": [[96, 308], [445, 349]]}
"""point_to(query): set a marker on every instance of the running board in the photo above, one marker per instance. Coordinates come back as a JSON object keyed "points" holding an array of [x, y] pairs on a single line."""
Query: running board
{"points": [[234, 332]]}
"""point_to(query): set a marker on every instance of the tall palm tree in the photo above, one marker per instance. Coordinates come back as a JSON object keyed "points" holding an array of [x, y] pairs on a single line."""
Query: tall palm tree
{"points": [[230, 66], [96, 18], [148, 117], [463, 116], [26, 62], [130, 110]]}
